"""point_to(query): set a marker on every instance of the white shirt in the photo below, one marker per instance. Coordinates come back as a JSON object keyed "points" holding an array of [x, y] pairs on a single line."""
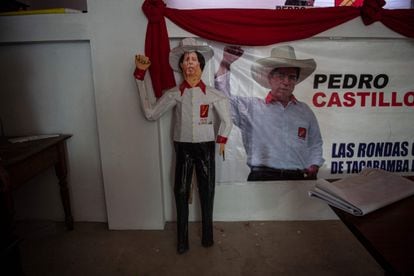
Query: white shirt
{"points": [[195, 111], [273, 135]]}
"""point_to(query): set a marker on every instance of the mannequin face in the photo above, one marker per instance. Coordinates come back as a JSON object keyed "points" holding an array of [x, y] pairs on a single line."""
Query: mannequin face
{"points": [[191, 66]]}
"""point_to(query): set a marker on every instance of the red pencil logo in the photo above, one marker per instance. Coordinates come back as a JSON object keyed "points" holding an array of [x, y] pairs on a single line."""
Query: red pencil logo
{"points": [[204, 110], [302, 133]]}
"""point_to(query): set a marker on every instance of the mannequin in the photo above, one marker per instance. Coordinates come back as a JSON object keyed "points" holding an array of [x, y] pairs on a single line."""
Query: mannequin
{"points": [[194, 137]]}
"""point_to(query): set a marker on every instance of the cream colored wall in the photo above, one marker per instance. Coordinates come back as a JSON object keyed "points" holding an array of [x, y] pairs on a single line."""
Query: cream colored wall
{"points": [[131, 187]]}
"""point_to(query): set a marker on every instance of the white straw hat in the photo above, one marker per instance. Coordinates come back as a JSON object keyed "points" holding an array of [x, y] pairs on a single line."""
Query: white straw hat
{"points": [[188, 45], [282, 56]]}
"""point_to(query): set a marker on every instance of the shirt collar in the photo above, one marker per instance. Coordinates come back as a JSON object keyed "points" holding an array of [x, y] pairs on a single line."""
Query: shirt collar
{"points": [[184, 85], [270, 99]]}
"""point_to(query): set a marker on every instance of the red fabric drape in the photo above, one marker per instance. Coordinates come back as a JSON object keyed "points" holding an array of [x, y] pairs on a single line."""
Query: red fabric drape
{"points": [[259, 26], [254, 27], [400, 21], [157, 46]]}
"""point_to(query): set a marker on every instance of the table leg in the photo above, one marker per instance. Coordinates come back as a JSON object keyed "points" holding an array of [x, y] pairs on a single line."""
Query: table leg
{"points": [[5, 189], [61, 173], [9, 243]]}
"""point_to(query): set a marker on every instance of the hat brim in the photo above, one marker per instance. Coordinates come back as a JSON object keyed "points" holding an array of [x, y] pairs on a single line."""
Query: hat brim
{"points": [[176, 53], [261, 69]]}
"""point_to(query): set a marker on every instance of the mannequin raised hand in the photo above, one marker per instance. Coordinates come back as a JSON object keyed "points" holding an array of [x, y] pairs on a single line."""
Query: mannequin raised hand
{"points": [[142, 62]]}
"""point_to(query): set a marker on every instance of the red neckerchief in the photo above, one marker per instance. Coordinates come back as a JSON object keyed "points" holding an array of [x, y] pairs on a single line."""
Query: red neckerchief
{"points": [[269, 99], [184, 85]]}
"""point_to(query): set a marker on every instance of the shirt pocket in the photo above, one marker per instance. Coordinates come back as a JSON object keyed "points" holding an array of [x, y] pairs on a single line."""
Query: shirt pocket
{"points": [[204, 111]]}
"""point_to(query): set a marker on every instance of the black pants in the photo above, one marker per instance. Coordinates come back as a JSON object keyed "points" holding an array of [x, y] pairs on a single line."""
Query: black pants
{"points": [[200, 155]]}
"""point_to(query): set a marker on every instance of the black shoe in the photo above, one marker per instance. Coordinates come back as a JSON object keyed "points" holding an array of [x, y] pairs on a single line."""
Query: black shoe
{"points": [[207, 243], [182, 248]]}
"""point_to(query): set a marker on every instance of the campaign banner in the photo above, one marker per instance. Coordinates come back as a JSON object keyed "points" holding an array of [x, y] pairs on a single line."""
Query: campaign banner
{"points": [[361, 92]]}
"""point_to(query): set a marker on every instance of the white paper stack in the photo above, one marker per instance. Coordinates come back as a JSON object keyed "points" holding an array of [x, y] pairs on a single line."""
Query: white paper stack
{"points": [[368, 191]]}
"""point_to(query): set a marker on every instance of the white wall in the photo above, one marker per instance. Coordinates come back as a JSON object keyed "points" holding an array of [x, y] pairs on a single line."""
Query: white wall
{"points": [[48, 88], [130, 187], [134, 154], [129, 144]]}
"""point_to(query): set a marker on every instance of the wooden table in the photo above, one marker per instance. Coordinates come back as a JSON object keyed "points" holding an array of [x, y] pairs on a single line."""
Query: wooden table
{"points": [[387, 234], [19, 162]]}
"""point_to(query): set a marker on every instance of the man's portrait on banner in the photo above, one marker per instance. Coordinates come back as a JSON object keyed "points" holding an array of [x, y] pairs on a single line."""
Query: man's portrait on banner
{"points": [[316, 108], [280, 133]]}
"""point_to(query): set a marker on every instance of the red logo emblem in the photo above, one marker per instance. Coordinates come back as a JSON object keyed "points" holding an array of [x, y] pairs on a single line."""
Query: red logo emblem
{"points": [[302, 133], [204, 110]]}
